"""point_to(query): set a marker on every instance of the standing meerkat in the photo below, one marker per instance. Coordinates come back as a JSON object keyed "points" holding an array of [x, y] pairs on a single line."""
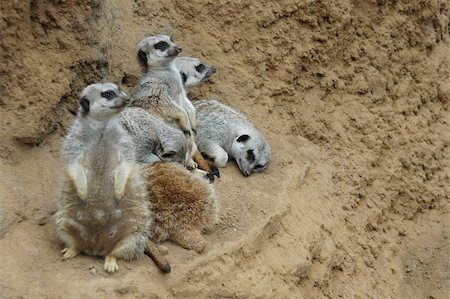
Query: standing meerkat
{"points": [[103, 207], [182, 202], [193, 71], [161, 92], [223, 132]]}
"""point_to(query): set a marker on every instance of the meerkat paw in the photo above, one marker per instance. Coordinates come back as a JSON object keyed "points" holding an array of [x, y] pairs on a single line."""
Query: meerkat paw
{"points": [[191, 165], [111, 265], [69, 253]]}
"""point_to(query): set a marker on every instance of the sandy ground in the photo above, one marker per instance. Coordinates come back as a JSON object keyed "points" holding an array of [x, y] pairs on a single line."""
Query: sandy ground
{"points": [[353, 96]]}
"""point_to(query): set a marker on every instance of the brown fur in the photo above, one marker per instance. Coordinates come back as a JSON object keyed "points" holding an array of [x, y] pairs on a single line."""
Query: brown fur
{"points": [[182, 203]]}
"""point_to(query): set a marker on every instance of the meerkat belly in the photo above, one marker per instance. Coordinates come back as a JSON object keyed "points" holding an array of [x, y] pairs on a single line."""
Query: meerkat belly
{"points": [[99, 227]]}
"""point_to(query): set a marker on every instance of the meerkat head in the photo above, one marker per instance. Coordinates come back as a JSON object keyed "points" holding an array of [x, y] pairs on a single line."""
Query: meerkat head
{"points": [[251, 152], [102, 100], [156, 51], [172, 150], [193, 71]]}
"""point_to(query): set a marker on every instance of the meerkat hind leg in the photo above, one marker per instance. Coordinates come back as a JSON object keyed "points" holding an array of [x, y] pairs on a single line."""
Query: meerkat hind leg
{"points": [[126, 249], [218, 154], [69, 252], [190, 239]]}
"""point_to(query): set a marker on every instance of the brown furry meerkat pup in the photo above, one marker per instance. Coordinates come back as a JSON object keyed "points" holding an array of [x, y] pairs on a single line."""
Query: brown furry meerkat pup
{"points": [[183, 204], [161, 92], [103, 208]]}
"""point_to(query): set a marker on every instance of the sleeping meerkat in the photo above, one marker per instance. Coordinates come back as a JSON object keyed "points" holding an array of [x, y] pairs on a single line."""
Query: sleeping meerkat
{"points": [[223, 132], [161, 92], [193, 71], [182, 202], [154, 139], [103, 208]]}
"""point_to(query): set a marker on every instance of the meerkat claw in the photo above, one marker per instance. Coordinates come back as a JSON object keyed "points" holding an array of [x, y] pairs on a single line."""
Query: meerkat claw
{"points": [[69, 253]]}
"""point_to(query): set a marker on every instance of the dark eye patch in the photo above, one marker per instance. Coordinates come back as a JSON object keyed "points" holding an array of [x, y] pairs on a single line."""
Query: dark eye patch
{"points": [[259, 166], [243, 138], [109, 94], [199, 68], [183, 77], [142, 56], [162, 45], [84, 102], [250, 156]]}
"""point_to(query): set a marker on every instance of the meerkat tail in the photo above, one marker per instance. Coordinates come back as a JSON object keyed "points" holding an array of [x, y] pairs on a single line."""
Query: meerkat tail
{"points": [[205, 165], [152, 250]]}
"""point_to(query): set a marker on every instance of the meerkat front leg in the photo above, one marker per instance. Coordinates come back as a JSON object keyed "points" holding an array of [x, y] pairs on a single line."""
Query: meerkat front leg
{"points": [[175, 113], [121, 175], [218, 154], [77, 174], [189, 158], [190, 110]]}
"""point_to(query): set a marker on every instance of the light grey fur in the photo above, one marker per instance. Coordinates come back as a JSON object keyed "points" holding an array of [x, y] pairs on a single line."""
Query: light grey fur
{"points": [[154, 139], [193, 71], [160, 90], [219, 128], [103, 207]]}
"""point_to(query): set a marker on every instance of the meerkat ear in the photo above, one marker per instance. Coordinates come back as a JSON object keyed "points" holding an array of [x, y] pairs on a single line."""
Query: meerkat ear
{"points": [[243, 138], [142, 57], [84, 102]]}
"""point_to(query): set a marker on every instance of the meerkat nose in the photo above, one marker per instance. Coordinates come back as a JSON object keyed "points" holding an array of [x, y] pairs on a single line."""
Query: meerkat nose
{"points": [[179, 49], [214, 69]]}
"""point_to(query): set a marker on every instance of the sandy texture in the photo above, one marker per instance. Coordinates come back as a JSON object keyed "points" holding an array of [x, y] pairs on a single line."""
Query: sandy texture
{"points": [[352, 95]]}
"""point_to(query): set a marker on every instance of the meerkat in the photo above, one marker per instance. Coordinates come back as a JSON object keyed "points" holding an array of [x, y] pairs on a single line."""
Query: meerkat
{"points": [[193, 71], [223, 132], [183, 203], [161, 92], [154, 139], [103, 208]]}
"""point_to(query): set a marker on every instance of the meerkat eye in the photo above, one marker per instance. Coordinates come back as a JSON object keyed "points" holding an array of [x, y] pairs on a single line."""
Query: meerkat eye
{"points": [[162, 45], [199, 68], [169, 154], [109, 94], [250, 156]]}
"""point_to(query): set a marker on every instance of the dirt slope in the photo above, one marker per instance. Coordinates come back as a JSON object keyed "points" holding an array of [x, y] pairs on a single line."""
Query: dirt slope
{"points": [[352, 95]]}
